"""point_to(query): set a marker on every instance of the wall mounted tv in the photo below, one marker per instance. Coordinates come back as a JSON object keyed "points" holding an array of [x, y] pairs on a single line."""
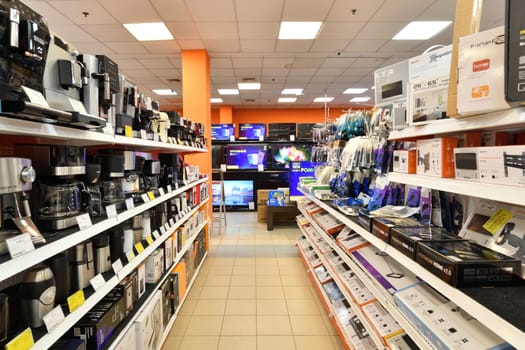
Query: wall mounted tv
{"points": [[222, 132], [252, 132], [280, 155], [281, 131], [217, 156], [237, 193], [245, 156], [305, 131]]}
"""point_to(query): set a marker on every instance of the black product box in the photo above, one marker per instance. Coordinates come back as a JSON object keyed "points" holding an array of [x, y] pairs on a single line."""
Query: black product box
{"points": [[406, 239], [175, 292], [129, 290], [462, 263], [123, 120], [165, 288], [365, 219], [381, 227]]}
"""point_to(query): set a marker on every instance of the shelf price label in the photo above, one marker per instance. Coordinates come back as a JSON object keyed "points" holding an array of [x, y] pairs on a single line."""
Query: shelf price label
{"points": [[251, 205], [53, 318], [84, 221], [169, 189], [139, 247], [151, 196], [156, 234], [130, 204], [162, 230], [23, 341], [497, 221], [149, 239], [111, 211], [223, 167], [128, 131], [260, 167], [172, 222], [130, 255], [161, 191], [143, 134], [292, 138], [232, 138], [19, 245], [117, 266], [145, 197], [76, 300], [97, 282]]}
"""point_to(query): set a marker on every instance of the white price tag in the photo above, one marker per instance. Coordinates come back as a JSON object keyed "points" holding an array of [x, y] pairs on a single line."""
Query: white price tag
{"points": [[53, 318], [35, 97], [144, 197], [19, 245], [130, 204], [167, 226], [232, 138], [251, 205], [169, 189], [161, 191], [260, 167], [111, 210], [143, 134], [172, 222], [84, 221], [117, 266], [261, 137], [156, 234], [156, 136], [223, 167], [176, 186], [97, 282], [292, 138], [162, 230]]}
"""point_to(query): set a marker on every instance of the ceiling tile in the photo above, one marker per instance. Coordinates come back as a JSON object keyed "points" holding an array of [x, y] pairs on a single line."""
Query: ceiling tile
{"points": [[306, 10], [75, 10], [323, 79], [276, 72], [401, 10], [260, 46], [307, 62], [492, 10], [400, 45], [370, 45], [257, 10], [302, 71], [340, 30], [139, 73], [191, 44], [380, 30], [338, 62], [175, 61], [440, 10], [218, 30], [167, 73], [129, 64], [324, 45], [342, 10], [443, 38], [298, 79], [222, 45], [368, 62], [171, 10], [108, 32], [156, 63], [73, 33], [94, 48], [330, 71], [224, 80], [221, 62], [183, 30], [53, 16], [222, 72], [162, 46], [204, 10], [247, 62], [242, 73], [132, 11], [128, 48], [356, 72], [259, 30], [277, 62]]}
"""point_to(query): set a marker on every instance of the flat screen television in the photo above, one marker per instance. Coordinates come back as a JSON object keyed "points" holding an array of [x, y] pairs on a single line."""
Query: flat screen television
{"points": [[252, 132], [237, 193], [305, 131], [281, 131], [222, 132], [280, 155], [217, 156], [245, 156]]}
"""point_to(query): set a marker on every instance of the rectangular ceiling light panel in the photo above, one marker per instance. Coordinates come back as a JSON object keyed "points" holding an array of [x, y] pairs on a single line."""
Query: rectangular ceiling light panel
{"points": [[149, 31]]}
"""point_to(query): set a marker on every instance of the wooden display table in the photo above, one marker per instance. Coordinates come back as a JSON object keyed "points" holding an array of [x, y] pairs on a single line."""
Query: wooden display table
{"points": [[288, 210]]}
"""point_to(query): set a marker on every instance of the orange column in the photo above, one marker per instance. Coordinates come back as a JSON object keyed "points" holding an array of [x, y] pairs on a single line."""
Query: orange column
{"points": [[225, 114]]}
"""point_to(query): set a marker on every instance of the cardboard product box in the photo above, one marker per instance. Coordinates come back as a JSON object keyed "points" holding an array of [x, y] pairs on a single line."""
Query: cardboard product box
{"points": [[328, 223], [350, 240], [262, 212], [391, 83], [481, 68], [381, 227], [404, 161], [128, 341], [353, 327], [495, 138], [178, 234], [154, 266], [503, 165], [405, 239], [443, 323], [365, 219], [383, 323], [168, 252], [469, 139], [129, 290], [383, 269], [311, 208], [435, 157], [464, 263], [466, 163], [141, 280], [165, 293], [322, 274], [175, 292], [262, 197], [175, 248], [401, 342], [321, 191], [359, 292], [148, 326], [332, 290]]}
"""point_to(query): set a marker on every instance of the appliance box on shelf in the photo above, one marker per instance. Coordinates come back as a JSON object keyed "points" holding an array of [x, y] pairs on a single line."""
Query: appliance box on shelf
{"points": [[359, 292], [365, 219], [435, 157], [503, 165], [381, 227], [154, 266], [128, 341], [175, 292], [466, 163], [312, 208], [168, 252], [481, 72], [404, 161], [141, 279], [148, 325], [464, 263], [350, 240], [129, 289], [383, 323], [276, 198], [469, 139], [443, 323], [495, 138], [328, 223], [391, 83], [165, 293], [401, 342], [406, 239]]}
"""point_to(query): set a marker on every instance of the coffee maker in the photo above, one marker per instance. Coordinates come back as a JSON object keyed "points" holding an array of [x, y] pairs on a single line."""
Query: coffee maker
{"points": [[37, 294], [151, 175], [16, 178], [112, 176], [174, 163], [59, 197], [94, 193], [82, 264]]}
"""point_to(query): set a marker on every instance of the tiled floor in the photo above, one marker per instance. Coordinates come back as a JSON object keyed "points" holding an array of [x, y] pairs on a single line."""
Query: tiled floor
{"points": [[253, 293]]}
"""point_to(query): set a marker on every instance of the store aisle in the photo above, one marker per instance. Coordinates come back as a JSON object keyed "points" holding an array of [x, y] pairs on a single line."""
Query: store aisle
{"points": [[253, 293]]}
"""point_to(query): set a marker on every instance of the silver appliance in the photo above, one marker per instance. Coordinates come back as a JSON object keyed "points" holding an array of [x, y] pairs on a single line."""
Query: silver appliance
{"points": [[37, 294], [82, 265], [102, 253]]}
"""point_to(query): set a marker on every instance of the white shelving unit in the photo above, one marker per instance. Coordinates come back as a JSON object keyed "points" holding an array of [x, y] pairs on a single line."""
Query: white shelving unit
{"points": [[505, 329]]}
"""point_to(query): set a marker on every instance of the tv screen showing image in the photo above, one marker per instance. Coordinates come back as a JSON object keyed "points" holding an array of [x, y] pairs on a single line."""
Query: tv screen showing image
{"points": [[237, 193], [280, 155], [245, 156], [252, 132], [222, 132]]}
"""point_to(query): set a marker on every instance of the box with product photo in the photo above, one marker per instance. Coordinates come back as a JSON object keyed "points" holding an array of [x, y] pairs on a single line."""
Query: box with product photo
{"points": [[404, 161], [405, 239], [435, 157], [141, 280], [381, 227], [359, 292], [148, 326], [128, 341], [328, 223], [391, 83], [503, 165], [428, 76], [443, 323], [365, 219], [352, 326], [481, 69], [312, 208], [384, 270], [466, 163], [154, 266], [168, 252], [504, 233], [401, 342], [464, 263], [383, 323], [350, 240]]}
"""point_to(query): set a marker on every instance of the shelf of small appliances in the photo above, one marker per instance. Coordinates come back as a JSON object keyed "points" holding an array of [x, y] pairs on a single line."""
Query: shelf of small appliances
{"points": [[506, 330]]}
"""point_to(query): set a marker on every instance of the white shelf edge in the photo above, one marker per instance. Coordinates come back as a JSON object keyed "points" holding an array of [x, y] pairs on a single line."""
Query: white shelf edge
{"points": [[500, 193], [514, 117], [506, 330], [149, 144]]}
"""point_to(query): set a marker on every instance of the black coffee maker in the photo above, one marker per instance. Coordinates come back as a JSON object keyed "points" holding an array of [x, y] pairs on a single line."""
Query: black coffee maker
{"points": [[112, 175], [173, 164]]}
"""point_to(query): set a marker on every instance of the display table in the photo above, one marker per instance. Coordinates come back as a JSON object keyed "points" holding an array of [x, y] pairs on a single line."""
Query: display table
{"points": [[288, 210]]}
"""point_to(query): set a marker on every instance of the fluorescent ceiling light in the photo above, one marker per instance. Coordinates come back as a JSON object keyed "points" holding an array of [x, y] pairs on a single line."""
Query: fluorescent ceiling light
{"points": [[299, 30], [249, 86], [167, 92], [228, 91], [355, 91], [216, 100], [360, 99], [149, 31], [323, 99], [296, 92], [287, 99], [421, 30]]}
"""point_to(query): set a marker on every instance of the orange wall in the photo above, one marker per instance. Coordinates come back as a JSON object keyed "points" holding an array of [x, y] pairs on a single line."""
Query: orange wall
{"points": [[273, 116]]}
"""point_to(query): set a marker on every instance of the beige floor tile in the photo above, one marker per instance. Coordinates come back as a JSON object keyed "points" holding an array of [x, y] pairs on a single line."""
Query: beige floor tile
{"points": [[243, 270], [271, 307], [180, 326], [220, 270], [270, 293], [198, 343], [239, 325], [242, 292], [297, 292], [210, 307], [236, 342], [268, 280], [242, 280], [212, 292], [295, 279], [329, 325], [188, 307], [241, 307], [204, 325], [273, 325], [313, 342], [338, 342], [223, 261], [291, 270], [272, 342], [244, 262], [302, 307], [172, 343], [309, 325], [218, 280]]}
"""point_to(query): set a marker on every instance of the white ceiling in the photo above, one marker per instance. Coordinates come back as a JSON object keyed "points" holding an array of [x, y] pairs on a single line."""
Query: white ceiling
{"points": [[241, 38]]}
